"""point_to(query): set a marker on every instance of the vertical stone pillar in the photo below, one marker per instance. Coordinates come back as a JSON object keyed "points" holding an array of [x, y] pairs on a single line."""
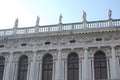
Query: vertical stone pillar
{"points": [[29, 69], [58, 66], [5, 68], [66, 69], [33, 67], [53, 72], [92, 67], [40, 69], [36, 29], [15, 70], [86, 72], [9, 69], [114, 64], [80, 69], [110, 23], [108, 68], [60, 26]]}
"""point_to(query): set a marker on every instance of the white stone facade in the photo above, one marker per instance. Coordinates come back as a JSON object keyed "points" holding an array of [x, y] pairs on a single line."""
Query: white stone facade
{"points": [[60, 40]]}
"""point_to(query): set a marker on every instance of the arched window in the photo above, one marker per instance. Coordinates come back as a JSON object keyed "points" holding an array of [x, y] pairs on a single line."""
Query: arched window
{"points": [[73, 66], [2, 63], [23, 68], [100, 65], [47, 67]]}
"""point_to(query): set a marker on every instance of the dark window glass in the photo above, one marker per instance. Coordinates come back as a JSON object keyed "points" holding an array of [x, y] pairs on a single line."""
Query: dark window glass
{"points": [[73, 66], [100, 65], [47, 43], [23, 68], [98, 39], [23, 44], [2, 62], [47, 67], [1, 46], [72, 41]]}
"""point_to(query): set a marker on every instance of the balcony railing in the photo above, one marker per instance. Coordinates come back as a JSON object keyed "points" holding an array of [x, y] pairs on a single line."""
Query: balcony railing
{"points": [[61, 27]]}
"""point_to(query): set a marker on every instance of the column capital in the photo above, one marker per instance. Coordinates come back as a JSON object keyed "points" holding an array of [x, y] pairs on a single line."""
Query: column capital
{"points": [[72, 49], [34, 51], [11, 52], [60, 49], [86, 48], [112, 46], [47, 50]]}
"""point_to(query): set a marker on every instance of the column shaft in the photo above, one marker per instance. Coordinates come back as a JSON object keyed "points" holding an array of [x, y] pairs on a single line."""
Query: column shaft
{"points": [[86, 72], [33, 68], [58, 67], [40, 73], [9, 70], [114, 64]]}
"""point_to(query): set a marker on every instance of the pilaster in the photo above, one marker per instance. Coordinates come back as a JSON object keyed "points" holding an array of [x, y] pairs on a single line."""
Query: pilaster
{"points": [[58, 66], [114, 64], [9, 68], [86, 70], [33, 67]]}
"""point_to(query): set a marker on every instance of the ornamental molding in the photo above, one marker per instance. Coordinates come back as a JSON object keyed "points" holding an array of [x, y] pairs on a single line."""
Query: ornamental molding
{"points": [[60, 41]]}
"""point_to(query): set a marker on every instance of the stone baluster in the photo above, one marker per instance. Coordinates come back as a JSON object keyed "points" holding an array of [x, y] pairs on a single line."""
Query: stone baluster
{"points": [[33, 67]]}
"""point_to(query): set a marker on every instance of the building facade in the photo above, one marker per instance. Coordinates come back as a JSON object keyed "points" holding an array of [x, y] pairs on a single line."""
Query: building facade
{"points": [[73, 51]]}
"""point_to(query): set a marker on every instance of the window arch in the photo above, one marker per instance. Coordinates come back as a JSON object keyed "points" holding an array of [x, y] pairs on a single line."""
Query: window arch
{"points": [[73, 66], [23, 68], [2, 63], [100, 65], [47, 67]]}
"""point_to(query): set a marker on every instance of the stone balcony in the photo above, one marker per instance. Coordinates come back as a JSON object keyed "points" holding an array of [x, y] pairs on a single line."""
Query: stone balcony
{"points": [[90, 26]]}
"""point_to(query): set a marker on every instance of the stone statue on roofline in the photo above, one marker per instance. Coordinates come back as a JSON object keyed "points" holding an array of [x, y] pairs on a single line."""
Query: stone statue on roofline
{"points": [[16, 23], [84, 16], [37, 21], [110, 14], [60, 18]]}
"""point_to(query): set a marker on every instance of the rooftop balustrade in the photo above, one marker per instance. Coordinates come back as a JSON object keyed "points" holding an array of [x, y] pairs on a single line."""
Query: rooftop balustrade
{"points": [[61, 27]]}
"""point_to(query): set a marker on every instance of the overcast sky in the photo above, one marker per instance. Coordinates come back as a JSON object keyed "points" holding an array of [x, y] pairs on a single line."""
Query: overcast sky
{"points": [[49, 10]]}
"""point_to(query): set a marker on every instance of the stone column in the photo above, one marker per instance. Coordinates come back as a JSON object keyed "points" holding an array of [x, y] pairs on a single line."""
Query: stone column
{"points": [[33, 67], [15, 70], [66, 69], [58, 66], [86, 72], [108, 68], [5, 68], [40, 69], [80, 69], [28, 72], [9, 69], [53, 71], [114, 64]]}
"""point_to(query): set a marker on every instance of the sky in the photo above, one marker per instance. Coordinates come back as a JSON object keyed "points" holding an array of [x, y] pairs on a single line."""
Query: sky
{"points": [[49, 11]]}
